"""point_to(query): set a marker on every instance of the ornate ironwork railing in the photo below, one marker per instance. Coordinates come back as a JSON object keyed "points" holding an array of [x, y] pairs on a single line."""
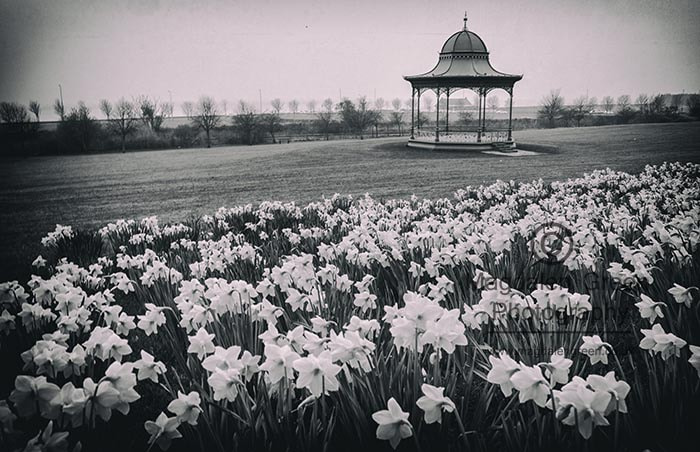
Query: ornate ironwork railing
{"points": [[461, 136]]}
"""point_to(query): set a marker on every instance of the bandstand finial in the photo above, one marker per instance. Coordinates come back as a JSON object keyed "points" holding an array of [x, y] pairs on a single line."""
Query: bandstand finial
{"points": [[465, 21]]}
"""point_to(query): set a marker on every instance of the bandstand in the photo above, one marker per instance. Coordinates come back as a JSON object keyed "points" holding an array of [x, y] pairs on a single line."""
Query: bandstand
{"points": [[463, 64]]}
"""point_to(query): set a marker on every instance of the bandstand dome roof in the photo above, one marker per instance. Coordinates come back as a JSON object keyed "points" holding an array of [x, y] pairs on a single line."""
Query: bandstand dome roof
{"points": [[464, 41], [463, 62]]}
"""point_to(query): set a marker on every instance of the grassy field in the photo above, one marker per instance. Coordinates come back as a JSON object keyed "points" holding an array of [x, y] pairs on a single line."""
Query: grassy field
{"points": [[86, 191]]}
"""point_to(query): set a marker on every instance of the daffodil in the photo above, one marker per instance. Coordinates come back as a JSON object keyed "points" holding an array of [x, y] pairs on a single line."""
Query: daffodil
{"points": [[393, 424], [531, 385], [163, 431], [201, 344], [433, 403], [595, 348], [649, 309], [502, 369], [682, 295], [317, 373], [186, 407]]}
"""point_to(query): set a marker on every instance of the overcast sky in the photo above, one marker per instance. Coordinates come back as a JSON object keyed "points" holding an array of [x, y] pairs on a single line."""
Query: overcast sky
{"points": [[309, 49]]}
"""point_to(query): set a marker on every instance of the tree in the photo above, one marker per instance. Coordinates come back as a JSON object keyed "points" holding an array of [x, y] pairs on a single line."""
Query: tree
{"points": [[106, 108], [152, 113], [246, 123], [122, 118], [59, 109], [693, 104], [551, 108], [396, 103], [428, 103], [493, 102], [466, 117], [324, 118], [397, 119], [35, 108], [608, 104], [272, 123], [206, 116], [657, 104], [294, 106], [79, 127], [311, 106], [580, 109], [357, 118], [188, 109], [624, 108], [643, 103], [277, 105], [16, 119], [13, 113], [593, 103], [379, 104]]}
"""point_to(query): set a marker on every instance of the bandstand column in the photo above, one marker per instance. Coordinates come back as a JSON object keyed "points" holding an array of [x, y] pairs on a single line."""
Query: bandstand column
{"points": [[478, 129], [413, 101], [437, 116], [447, 112], [510, 116], [483, 113], [418, 123]]}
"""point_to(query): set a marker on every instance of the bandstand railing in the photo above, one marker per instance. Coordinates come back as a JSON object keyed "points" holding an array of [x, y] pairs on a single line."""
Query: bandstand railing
{"points": [[462, 136]]}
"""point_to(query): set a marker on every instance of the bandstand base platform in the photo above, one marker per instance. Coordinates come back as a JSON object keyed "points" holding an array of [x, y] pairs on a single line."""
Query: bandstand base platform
{"points": [[457, 146]]}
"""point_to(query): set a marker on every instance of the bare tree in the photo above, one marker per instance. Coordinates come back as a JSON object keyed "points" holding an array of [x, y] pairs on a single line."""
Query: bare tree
{"points": [[35, 108], [643, 103], [206, 116], [623, 103], [106, 108], [273, 123], [325, 116], [16, 118], [122, 118], [624, 108], [608, 104], [188, 109], [580, 109], [59, 108], [224, 106], [379, 103], [408, 104], [277, 105], [657, 104], [693, 104], [592, 103], [397, 119], [493, 102], [311, 106], [246, 122], [358, 118], [428, 103], [79, 127], [396, 103], [13, 113], [551, 107], [294, 106], [152, 112]]}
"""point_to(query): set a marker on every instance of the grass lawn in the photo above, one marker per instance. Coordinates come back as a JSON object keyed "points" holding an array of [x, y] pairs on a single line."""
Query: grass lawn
{"points": [[90, 190]]}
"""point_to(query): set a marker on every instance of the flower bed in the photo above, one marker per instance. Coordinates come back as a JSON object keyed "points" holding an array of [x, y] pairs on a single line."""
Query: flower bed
{"points": [[512, 316]]}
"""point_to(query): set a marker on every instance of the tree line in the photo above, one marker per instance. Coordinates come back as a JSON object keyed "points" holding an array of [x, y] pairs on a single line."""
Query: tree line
{"points": [[145, 117], [555, 112]]}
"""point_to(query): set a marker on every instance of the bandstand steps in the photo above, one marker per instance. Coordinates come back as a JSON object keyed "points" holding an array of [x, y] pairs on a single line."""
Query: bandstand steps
{"points": [[503, 147]]}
